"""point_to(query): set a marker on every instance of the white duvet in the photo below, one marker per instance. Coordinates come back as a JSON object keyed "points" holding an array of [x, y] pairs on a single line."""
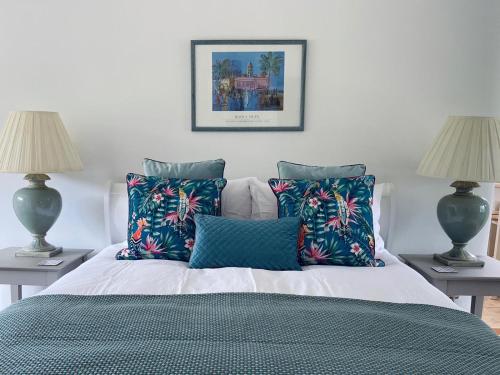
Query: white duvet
{"points": [[102, 274]]}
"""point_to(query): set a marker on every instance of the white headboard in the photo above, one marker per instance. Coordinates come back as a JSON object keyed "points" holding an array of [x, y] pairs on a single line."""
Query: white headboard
{"points": [[387, 214], [116, 213]]}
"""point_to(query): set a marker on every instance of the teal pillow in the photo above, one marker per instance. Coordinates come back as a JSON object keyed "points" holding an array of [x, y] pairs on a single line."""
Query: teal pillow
{"points": [[311, 172], [199, 170], [337, 220], [264, 244], [161, 215]]}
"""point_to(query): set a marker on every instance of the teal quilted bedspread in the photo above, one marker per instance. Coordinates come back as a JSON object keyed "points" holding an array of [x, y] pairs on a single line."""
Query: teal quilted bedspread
{"points": [[240, 334]]}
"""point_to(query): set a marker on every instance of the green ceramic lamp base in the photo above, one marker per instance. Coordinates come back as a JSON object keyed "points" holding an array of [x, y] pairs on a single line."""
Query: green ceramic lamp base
{"points": [[457, 262], [462, 215], [37, 207], [26, 252]]}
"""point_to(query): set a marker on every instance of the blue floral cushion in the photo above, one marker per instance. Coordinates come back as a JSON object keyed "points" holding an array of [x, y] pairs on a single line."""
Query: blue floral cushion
{"points": [[161, 215], [337, 222]]}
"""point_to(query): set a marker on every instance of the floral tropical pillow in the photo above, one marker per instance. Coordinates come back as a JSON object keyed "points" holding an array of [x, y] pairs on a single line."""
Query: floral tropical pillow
{"points": [[337, 222], [161, 211]]}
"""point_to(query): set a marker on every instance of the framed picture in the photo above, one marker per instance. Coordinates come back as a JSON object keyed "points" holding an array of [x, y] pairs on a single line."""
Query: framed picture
{"points": [[248, 85]]}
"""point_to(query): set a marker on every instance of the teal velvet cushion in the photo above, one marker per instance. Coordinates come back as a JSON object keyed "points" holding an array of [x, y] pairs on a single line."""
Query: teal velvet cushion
{"points": [[194, 171], [161, 215], [311, 172], [337, 221], [265, 244]]}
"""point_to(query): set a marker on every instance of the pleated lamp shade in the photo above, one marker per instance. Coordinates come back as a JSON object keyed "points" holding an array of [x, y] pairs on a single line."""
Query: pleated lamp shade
{"points": [[467, 149], [37, 142]]}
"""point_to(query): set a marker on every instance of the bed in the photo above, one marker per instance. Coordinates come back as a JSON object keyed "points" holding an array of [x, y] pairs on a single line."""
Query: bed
{"points": [[159, 316]]}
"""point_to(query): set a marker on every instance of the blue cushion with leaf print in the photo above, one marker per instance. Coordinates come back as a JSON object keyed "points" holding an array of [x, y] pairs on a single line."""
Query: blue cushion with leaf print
{"points": [[161, 215], [337, 222]]}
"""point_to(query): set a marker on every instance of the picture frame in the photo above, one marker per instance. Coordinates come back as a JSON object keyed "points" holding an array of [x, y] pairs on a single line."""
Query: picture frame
{"points": [[248, 85]]}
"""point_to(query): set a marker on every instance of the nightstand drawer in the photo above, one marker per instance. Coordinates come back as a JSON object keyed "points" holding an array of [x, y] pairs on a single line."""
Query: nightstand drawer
{"points": [[41, 278], [472, 288]]}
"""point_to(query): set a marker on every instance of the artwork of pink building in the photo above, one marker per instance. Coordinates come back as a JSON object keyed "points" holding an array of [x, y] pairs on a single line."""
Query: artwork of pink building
{"points": [[251, 83]]}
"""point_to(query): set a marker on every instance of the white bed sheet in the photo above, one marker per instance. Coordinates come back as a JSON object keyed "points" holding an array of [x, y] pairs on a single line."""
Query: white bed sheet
{"points": [[102, 274]]}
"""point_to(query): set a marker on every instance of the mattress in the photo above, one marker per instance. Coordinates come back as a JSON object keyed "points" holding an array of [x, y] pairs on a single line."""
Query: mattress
{"points": [[103, 275]]}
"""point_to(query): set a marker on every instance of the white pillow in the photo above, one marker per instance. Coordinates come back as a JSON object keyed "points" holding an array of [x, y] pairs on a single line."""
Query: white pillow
{"points": [[236, 201], [264, 202], [265, 206]]}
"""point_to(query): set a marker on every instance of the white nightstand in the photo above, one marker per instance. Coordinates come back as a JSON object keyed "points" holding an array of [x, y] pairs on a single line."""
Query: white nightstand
{"points": [[19, 271]]}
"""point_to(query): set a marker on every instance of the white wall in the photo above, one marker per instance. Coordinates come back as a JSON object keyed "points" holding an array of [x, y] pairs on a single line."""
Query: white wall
{"points": [[381, 78]]}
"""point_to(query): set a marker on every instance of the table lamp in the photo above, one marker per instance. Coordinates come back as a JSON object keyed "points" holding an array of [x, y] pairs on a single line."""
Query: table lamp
{"points": [[468, 151], [37, 143]]}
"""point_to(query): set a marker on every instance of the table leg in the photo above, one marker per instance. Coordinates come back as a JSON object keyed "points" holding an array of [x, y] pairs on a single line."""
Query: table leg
{"points": [[476, 306], [16, 293]]}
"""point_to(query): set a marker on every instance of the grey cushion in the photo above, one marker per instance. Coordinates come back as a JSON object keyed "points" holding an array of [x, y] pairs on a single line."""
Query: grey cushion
{"points": [[311, 172], [200, 170]]}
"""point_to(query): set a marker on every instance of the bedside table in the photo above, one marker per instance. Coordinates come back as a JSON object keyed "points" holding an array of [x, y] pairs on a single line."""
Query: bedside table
{"points": [[468, 281], [19, 271]]}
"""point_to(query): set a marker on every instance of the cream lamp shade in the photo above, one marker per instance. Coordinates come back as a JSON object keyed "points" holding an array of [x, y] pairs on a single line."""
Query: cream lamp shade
{"points": [[36, 142], [467, 149]]}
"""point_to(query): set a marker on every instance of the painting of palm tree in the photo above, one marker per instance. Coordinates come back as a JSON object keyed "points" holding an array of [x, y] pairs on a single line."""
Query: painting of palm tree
{"points": [[248, 81], [271, 63], [222, 69]]}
